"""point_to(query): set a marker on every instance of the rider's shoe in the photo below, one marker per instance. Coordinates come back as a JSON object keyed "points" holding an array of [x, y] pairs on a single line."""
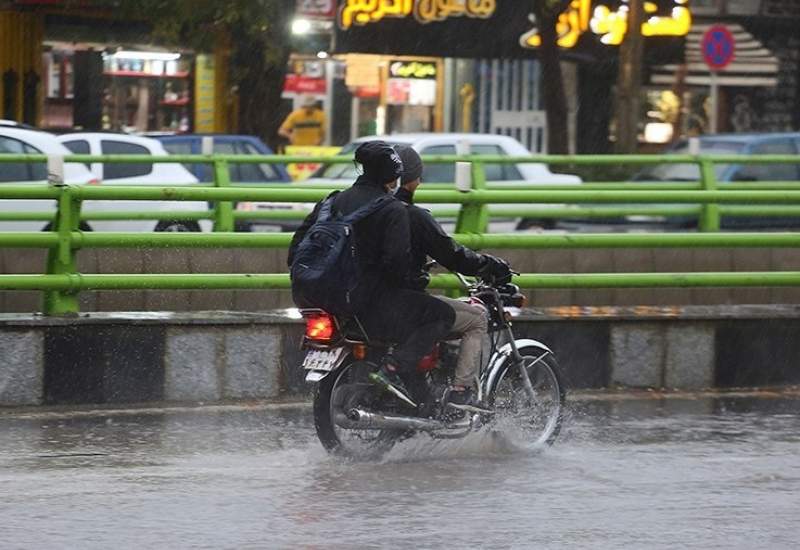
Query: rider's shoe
{"points": [[465, 400], [391, 382]]}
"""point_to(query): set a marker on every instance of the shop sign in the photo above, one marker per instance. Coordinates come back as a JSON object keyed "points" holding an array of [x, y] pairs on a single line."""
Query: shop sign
{"points": [[411, 83], [301, 170], [611, 24], [363, 12], [316, 8], [204, 94], [363, 71], [412, 69], [301, 84], [501, 28]]}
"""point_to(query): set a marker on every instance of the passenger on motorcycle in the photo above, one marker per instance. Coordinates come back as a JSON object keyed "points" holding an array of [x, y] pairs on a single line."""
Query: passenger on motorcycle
{"points": [[428, 239], [382, 305]]}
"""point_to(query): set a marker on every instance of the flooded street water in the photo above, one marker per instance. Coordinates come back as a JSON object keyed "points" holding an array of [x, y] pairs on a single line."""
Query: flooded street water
{"points": [[674, 473]]}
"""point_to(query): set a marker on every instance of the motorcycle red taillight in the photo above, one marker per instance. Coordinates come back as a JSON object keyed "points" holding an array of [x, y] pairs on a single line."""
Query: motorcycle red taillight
{"points": [[320, 327], [430, 361]]}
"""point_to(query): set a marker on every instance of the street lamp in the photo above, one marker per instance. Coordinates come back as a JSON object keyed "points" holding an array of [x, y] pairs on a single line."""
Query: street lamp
{"points": [[301, 26]]}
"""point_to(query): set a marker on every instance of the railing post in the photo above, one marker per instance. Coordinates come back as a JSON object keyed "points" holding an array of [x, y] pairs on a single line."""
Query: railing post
{"points": [[474, 218], [223, 210], [709, 213], [61, 259]]}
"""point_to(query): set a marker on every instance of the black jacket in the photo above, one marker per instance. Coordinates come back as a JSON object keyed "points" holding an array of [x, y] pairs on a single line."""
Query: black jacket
{"points": [[429, 239], [382, 239]]}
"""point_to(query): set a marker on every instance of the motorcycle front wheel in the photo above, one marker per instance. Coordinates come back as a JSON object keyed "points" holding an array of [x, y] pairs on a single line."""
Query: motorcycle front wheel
{"points": [[529, 423], [336, 394]]}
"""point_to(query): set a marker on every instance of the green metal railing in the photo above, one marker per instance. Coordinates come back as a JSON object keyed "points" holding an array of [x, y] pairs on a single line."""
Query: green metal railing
{"points": [[706, 199]]}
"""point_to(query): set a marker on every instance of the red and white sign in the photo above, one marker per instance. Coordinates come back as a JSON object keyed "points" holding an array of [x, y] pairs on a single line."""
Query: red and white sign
{"points": [[299, 84], [718, 47], [316, 8]]}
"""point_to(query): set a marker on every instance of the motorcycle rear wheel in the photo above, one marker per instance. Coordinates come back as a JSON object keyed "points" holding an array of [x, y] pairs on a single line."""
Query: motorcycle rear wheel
{"points": [[530, 424], [355, 444]]}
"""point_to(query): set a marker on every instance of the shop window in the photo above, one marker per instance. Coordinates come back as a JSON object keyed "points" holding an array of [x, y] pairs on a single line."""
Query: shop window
{"points": [[79, 147], [770, 172], [438, 172], [20, 171], [117, 171], [496, 172]]}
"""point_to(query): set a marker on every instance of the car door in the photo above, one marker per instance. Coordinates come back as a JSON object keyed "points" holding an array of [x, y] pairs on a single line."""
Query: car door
{"points": [[186, 146], [22, 172]]}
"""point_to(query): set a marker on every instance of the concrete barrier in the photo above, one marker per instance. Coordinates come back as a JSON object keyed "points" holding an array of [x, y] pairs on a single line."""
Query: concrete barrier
{"points": [[229, 356]]}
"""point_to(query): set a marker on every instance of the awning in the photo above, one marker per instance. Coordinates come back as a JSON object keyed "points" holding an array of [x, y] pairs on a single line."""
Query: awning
{"points": [[753, 64]]}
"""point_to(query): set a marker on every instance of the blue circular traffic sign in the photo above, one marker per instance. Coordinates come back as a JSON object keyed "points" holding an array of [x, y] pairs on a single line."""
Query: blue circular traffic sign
{"points": [[718, 47]]}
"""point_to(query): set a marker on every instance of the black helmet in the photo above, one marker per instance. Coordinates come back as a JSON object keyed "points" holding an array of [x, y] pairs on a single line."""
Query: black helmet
{"points": [[412, 164], [381, 162]]}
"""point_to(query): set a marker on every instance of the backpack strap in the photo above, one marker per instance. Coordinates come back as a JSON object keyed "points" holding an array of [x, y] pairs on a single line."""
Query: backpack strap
{"points": [[367, 209], [326, 210]]}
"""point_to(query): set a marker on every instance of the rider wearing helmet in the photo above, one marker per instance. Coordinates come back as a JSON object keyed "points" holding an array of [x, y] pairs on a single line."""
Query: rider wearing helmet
{"points": [[383, 306], [428, 239]]}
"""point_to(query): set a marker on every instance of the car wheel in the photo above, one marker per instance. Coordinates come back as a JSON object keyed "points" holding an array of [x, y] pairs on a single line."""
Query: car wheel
{"points": [[177, 227], [527, 223]]}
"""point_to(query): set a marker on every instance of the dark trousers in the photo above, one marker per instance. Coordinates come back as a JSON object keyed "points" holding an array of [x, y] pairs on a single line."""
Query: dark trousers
{"points": [[412, 319]]}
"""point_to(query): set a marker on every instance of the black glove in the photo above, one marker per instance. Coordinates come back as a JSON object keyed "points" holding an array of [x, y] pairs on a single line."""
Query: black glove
{"points": [[495, 269], [419, 281]]}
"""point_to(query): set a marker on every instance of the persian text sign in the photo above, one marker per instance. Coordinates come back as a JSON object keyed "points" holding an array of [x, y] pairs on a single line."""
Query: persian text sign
{"points": [[362, 12], [499, 28]]}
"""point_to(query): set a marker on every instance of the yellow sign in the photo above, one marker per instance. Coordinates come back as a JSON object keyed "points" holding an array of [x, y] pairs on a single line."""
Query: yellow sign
{"points": [[363, 12], [412, 69], [300, 171], [204, 94], [611, 26]]}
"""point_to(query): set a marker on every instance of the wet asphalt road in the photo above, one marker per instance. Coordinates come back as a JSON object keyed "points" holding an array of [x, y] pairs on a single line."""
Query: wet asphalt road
{"points": [[676, 473]]}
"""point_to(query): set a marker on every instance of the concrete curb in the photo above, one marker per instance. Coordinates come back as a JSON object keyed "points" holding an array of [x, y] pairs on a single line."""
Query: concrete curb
{"points": [[218, 357]]}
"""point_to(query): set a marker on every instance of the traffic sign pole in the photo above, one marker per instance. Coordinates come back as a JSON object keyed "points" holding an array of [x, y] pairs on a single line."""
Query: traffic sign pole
{"points": [[718, 47], [714, 115]]}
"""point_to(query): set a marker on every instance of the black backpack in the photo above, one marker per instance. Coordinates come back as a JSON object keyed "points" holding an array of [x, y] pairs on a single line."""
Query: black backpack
{"points": [[325, 269]]}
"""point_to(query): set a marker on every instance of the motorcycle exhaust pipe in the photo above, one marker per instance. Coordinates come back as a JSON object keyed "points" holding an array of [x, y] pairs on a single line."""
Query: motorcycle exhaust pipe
{"points": [[358, 419]]}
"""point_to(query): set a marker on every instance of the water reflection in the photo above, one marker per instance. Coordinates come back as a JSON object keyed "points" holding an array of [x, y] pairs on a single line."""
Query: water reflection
{"points": [[631, 473]]}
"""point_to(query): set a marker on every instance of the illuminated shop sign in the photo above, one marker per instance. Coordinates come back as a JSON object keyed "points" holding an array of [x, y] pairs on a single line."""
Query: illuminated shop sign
{"points": [[412, 69], [612, 25], [504, 28], [363, 12]]}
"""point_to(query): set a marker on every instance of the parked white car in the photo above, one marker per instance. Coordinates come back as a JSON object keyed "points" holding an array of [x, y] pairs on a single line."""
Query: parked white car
{"points": [[156, 173], [461, 144], [452, 144], [17, 140]]}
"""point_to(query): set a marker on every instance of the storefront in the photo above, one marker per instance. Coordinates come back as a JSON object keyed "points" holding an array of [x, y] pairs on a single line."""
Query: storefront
{"points": [[99, 86], [484, 53], [395, 94]]}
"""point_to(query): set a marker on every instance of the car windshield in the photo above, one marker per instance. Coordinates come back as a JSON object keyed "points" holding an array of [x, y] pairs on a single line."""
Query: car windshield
{"points": [[345, 170], [690, 172]]}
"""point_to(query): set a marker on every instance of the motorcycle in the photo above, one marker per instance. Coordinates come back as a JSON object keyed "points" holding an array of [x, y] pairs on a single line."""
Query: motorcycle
{"points": [[519, 378]]}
